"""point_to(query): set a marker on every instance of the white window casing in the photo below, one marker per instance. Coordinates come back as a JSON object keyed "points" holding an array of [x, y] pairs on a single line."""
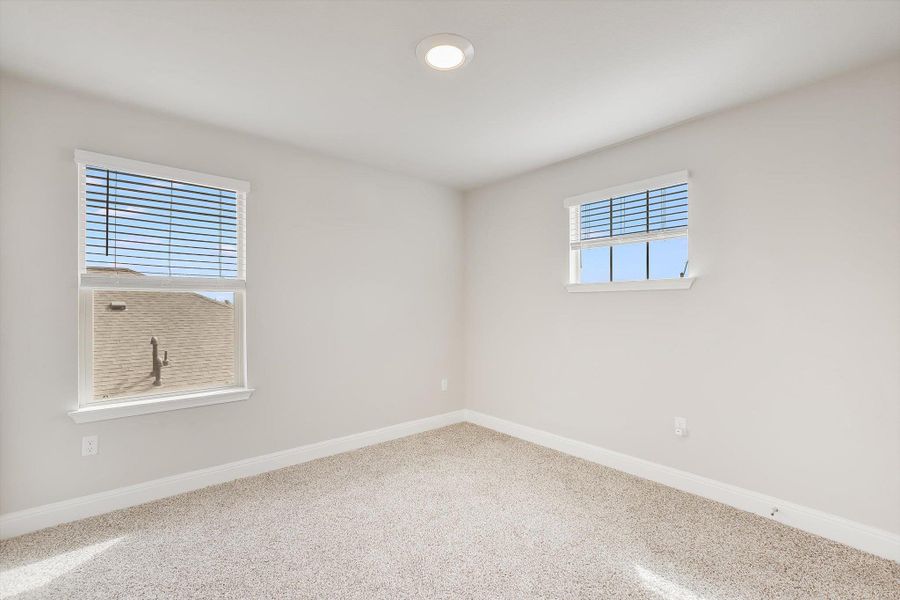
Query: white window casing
{"points": [[87, 408]]}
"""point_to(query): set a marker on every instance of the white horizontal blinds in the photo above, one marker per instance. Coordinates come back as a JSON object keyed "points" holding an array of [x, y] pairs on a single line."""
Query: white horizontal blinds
{"points": [[160, 227], [641, 216]]}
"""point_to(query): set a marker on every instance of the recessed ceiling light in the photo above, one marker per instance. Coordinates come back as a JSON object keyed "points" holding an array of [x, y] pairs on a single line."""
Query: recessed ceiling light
{"points": [[445, 57], [445, 51]]}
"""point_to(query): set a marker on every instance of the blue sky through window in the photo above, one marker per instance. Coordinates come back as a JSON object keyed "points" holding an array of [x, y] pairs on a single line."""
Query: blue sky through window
{"points": [[158, 227], [220, 296], [667, 257], [667, 260], [629, 262], [595, 265]]}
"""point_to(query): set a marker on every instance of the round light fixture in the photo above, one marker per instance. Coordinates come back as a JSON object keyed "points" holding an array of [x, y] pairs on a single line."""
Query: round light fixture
{"points": [[445, 51], [445, 57]]}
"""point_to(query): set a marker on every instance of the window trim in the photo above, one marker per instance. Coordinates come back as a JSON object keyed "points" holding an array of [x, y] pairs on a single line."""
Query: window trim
{"points": [[639, 285], [153, 404], [86, 410], [573, 283], [117, 163]]}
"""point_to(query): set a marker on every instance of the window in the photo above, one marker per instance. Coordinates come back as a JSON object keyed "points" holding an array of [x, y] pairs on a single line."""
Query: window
{"points": [[631, 233], [161, 286]]}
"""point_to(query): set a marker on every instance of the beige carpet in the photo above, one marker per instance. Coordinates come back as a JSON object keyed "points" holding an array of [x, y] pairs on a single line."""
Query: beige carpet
{"points": [[460, 512]]}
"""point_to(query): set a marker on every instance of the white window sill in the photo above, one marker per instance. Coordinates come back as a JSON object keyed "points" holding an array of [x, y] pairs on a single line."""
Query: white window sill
{"points": [[117, 410], [682, 283]]}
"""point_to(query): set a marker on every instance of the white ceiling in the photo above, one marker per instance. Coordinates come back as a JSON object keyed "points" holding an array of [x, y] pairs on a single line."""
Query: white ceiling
{"points": [[549, 80]]}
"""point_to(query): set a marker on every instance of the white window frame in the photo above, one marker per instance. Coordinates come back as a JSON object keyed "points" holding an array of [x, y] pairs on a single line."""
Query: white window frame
{"points": [[86, 409], [573, 205]]}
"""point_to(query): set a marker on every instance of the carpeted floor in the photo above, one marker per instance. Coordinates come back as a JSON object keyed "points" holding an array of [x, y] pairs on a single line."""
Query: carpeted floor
{"points": [[460, 512]]}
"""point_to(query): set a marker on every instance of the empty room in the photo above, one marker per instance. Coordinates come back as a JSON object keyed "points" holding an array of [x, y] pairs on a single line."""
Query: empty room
{"points": [[450, 299]]}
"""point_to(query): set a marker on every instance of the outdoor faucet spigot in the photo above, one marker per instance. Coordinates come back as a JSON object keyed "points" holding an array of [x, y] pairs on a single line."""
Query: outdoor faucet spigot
{"points": [[157, 363]]}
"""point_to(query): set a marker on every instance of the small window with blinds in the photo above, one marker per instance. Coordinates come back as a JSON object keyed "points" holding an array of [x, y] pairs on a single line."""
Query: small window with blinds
{"points": [[634, 232], [161, 282]]}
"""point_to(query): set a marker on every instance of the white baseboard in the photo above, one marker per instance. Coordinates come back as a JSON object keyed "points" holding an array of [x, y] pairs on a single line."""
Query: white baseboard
{"points": [[869, 539], [48, 515], [839, 529]]}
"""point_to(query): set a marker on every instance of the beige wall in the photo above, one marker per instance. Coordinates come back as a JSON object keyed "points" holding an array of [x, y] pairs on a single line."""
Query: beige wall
{"points": [[785, 355], [353, 298]]}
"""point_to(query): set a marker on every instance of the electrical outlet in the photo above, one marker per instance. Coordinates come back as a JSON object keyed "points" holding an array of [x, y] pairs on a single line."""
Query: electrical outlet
{"points": [[681, 429], [89, 445], [444, 384]]}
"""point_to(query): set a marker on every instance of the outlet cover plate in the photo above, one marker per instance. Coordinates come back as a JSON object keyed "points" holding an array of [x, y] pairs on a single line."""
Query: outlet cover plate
{"points": [[89, 445]]}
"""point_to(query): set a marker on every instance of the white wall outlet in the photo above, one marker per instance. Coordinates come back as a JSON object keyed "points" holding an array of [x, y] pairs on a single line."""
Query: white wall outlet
{"points": [[444, 384], [681, 429], [89, 445]]}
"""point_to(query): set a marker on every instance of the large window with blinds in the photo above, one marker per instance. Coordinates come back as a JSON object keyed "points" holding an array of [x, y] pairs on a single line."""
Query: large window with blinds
{"points": [[634, 232], [162, 282]]}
